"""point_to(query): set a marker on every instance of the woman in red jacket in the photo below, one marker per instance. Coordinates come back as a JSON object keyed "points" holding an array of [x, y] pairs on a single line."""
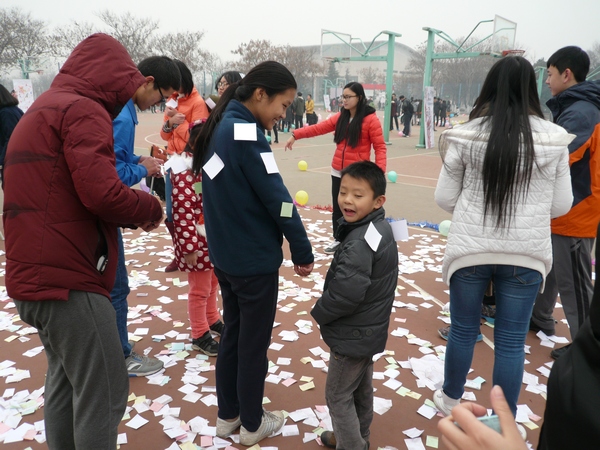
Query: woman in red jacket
{"points": [[357, 129]]}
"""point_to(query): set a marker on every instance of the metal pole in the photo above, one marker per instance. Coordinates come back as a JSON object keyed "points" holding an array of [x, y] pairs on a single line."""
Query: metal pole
{"points": [[426, 82], [389, 80], [540, 80]]}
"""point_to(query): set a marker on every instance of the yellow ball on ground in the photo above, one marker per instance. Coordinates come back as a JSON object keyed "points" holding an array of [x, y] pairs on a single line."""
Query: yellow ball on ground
{"points": [[301, 198], [302, 165]]}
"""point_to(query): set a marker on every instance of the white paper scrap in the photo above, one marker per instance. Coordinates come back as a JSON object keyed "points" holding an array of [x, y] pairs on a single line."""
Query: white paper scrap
{"points": [[244, 131]]}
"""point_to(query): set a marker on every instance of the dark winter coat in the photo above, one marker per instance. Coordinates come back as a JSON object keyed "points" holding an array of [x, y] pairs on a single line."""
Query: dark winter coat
{"points": [[63, 199], [354, 311]]}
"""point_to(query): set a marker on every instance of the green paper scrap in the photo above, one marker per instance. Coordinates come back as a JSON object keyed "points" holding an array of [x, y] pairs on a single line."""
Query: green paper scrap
{"points": [[177, 346], [479, 380], [286, 209], [198, 188], [403, 391], [432, 441], [429, 402]]}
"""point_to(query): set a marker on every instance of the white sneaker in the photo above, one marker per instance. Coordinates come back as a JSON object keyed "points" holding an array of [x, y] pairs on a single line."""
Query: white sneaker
{"points": [[443, 403], [271, 423], [225, 428], [331, 248]]}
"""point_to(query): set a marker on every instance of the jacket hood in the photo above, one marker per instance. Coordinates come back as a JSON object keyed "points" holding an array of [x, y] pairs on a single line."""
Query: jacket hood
{"points": [[100, 69], [588, 91], [369, 110]]}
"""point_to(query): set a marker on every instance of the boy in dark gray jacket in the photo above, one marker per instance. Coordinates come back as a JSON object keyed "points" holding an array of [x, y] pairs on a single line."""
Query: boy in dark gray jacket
{"points": [[354, 311]]}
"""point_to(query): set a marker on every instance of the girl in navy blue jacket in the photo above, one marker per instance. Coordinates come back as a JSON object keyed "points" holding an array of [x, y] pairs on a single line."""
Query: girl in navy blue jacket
{"points": [[247, 210]]}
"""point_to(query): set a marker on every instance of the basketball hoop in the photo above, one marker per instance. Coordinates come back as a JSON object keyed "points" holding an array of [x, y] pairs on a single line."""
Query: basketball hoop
{"points": [[512, 53]]}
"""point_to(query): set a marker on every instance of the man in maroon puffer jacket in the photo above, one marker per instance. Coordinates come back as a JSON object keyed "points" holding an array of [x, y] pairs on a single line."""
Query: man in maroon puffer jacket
{"points": [[63, 203]]}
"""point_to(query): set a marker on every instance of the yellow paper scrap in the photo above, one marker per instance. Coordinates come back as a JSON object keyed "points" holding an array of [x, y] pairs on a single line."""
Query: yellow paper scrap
{"points": [[307, 386], [306, 360], [432, 441], [188, 446], [531, 425], [414, 395], [306, 379], [11, 338]]}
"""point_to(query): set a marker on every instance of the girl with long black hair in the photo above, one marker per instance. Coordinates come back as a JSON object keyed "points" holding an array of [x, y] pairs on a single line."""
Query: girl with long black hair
{"points": [[247, 210], [505, 175]]}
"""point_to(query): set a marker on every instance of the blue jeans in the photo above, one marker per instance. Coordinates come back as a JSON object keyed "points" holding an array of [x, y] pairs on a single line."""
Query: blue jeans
{"points": [[516, 289], [119, 297], [168, 199]]}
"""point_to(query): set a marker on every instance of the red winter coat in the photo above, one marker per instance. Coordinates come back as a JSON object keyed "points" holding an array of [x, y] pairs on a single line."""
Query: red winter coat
{"points": [[63, 199], [371, 135]]}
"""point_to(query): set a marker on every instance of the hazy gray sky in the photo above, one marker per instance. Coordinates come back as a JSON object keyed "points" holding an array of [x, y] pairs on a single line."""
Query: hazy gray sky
{"points": [[543, 26]]}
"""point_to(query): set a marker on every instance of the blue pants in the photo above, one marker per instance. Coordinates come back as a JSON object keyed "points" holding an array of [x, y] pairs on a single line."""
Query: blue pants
{"points": [[119, 297], [249, 305], [516, 289]]}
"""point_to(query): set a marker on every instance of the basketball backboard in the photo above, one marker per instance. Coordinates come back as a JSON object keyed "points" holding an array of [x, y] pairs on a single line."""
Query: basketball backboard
{"points": [[504, 35], [335, 44]]}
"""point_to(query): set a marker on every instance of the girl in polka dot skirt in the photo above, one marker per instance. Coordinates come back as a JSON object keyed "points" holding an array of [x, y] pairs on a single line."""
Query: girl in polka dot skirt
{"points": [[191, 255]]}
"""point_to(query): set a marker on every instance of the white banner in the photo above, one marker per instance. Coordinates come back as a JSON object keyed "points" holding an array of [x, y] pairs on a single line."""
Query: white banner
{"points": [[428, 117], [24, 90]]}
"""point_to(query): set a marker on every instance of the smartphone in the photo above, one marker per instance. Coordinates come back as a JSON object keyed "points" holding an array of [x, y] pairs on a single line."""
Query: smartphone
{"points": [[491, 421]]}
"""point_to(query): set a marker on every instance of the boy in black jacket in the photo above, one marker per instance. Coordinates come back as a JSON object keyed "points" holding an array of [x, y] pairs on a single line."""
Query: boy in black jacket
{"points": [[354, 311]]}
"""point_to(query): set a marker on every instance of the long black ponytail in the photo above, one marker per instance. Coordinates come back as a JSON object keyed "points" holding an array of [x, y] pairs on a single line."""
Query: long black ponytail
{"points": [[272, 76]]}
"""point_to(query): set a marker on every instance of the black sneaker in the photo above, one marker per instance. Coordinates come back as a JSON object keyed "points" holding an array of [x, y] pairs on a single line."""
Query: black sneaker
{"points": [[217, 327], [558, 352], [535, 328], [328, 439], [206, 344]]}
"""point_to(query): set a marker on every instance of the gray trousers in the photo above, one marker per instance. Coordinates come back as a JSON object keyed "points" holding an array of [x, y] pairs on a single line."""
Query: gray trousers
{"points": [[349, 395], [571, 277], [86, 383]]}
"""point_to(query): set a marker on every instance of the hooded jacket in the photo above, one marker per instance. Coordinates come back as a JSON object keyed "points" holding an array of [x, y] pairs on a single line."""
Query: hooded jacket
{"points": [[371, 135], [354, 311], [63, 199], [577, 110]]}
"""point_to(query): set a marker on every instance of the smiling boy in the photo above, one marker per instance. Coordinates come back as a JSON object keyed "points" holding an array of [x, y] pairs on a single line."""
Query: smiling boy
{"points": [[354, 311]]}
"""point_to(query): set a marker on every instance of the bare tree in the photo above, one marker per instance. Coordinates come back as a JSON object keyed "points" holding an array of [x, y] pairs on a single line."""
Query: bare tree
{"points": [[594, 54], [185, 46], [136, 34], [65, 39], [22, 40], [255, 52], [371, 75]]}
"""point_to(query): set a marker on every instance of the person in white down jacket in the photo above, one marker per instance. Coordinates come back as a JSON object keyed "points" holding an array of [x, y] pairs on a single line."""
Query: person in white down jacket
{"points": [[505, 174]]}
